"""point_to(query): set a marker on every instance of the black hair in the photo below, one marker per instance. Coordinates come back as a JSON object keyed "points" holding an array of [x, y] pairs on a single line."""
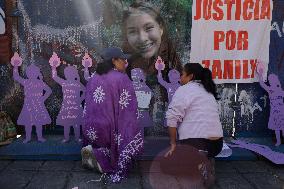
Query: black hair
{"points": [[104, 67], [203, 74]]}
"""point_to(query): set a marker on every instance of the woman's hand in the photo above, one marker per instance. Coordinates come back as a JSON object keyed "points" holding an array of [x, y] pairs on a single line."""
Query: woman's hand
{"points": [[172, 149]]}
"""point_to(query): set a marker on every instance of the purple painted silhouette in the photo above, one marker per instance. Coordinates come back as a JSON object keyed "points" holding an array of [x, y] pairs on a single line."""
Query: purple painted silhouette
{"points": [[275, 157], [71, 112], [276, 96], [34, 112], [174, 77], [143, 95]]}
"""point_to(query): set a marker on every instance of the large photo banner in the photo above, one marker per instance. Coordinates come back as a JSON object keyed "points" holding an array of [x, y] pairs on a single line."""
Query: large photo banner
{"points": [[228, 37]]}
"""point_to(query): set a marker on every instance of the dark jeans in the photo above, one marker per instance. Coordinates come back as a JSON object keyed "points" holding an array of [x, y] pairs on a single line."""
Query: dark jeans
{"points": [[213, 147]]}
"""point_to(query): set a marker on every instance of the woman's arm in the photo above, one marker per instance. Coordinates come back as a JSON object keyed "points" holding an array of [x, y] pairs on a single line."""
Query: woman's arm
{"points": [[17, 77], [175, 115], [161, 80], [173, 138], [55, 77], [262, 84], [86, 74]]}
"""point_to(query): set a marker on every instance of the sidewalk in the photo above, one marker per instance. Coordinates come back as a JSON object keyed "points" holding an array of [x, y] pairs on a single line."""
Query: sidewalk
{"points": [[69, 174]]}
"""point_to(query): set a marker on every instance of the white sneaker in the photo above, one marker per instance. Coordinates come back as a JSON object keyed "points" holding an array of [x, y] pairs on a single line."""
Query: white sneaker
{"points": [[89, 160]]}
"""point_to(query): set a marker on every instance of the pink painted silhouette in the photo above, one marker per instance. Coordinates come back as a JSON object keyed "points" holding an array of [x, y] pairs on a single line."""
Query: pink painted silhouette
{"points": [[87, 63], [34, 112], [174, 77], [275, 157], [144, 95], [71, 112], [276, 96]]}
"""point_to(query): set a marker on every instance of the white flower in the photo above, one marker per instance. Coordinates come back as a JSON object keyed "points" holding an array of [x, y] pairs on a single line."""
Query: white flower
{"points": [[92, 134], [99, 95], [124, 99]]}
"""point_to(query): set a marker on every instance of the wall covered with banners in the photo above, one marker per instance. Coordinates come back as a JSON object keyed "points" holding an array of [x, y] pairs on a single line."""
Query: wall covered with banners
{"points": [[70, 29]]}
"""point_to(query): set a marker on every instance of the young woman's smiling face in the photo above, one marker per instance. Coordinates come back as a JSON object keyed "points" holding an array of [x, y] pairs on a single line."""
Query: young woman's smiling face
{"points": [[143, 34]]}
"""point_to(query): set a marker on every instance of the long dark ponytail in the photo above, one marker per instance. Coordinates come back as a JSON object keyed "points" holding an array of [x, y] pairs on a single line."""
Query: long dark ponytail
{"points": [[202, 74], [104, 67]]}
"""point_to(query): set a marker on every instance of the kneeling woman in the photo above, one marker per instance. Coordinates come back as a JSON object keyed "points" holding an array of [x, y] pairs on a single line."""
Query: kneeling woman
{"points": [[193, 111], [110, 128]]}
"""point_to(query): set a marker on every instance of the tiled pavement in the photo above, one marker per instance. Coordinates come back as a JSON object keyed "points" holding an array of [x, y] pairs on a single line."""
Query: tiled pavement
{"points": [[70, 174]]}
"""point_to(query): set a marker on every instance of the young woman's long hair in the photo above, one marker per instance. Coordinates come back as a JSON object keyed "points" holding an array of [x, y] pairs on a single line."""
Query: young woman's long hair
{"points": [[104, 67], [202, 74], [167, 49]]}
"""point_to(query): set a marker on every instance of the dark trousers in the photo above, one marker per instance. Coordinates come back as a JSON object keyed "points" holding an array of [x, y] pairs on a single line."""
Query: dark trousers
{"points": [[213, 147]]}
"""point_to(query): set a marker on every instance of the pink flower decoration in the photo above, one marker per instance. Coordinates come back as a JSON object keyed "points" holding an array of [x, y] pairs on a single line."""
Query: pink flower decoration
{"points": [[54, 61], [87, 61], [16, 60], [159, 65]]}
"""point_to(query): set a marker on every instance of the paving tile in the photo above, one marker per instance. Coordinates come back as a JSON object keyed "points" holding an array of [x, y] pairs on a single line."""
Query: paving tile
{"points": [[132, 182], [78, 166], [150, 166], [15, 179], [57, 166], [264, 181], [159, 181], [80, 180], [48, 180], [232, 181], [224, 167], [25, 165], [250, 166], [4, 164]]}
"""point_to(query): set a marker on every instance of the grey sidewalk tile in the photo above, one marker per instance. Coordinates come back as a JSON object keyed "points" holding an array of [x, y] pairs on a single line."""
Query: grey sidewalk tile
{"points": [[132, 182], [4, 164], [224, 167], [78, 166], [14, 179], [264, 181], [187, 183], [80, 179], [250, 166], [48, 180], [25, 165], [232, 181], [150, 166], [159, 181], [57, 166]]}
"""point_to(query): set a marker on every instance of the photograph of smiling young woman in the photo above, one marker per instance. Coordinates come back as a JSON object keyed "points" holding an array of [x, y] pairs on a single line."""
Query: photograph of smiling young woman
{"points": [[145, 37]]}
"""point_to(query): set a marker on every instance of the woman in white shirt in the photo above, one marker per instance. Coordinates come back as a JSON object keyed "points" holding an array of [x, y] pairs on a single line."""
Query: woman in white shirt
{"points": [[193, 112]]}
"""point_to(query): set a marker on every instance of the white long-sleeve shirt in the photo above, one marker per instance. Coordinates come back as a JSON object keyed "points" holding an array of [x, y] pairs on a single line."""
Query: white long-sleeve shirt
{"points": [[194, 112]]}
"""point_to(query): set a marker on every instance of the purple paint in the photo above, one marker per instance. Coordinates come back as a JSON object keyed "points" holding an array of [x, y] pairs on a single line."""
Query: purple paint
{"points": [[275, 157], [143, 95], [174, 77], [276, 97], [34, 112], [71, 112]]}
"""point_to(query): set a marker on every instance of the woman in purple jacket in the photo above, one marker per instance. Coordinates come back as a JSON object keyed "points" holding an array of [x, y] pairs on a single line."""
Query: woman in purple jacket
{"points": [[110, 128]]}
